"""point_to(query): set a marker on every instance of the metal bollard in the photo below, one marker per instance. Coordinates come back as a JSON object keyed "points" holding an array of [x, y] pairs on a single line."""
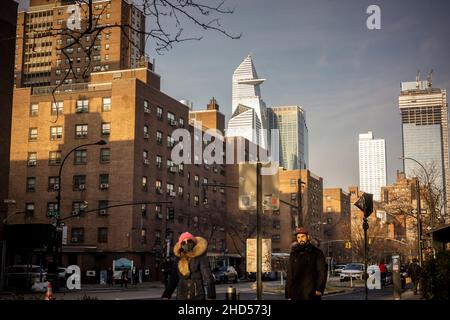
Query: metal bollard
{"points": [[231, 294]]}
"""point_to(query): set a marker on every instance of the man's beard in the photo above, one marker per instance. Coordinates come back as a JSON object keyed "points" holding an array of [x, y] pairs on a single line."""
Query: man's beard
{"points": [[302, 243]]}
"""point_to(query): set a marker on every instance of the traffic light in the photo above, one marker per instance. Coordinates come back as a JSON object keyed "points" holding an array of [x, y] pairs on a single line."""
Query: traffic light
{"points": [[170, 214], [365, 204]]}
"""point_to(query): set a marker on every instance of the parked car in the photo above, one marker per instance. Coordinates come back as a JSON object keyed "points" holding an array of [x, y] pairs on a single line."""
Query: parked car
{"points": [[352, 270], [338, 269], [28, 277], [225, 274]]}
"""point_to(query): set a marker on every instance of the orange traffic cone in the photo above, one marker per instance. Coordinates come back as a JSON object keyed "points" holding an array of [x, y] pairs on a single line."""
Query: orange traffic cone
{"points": [[49, 293]]}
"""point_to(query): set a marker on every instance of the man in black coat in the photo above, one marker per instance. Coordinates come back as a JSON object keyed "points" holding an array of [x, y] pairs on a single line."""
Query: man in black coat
{"points": [[307, 270]]}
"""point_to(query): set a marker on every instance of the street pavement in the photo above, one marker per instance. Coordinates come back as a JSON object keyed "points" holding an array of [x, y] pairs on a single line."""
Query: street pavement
{"points": [[273, 290]]}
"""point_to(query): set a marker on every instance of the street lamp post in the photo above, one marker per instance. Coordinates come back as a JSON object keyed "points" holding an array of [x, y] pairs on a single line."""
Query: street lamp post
{"points": [[56, 217], [431, 205]]}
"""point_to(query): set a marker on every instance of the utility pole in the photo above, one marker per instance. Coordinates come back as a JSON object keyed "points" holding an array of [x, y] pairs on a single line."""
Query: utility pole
{"points": [[258, 232]]}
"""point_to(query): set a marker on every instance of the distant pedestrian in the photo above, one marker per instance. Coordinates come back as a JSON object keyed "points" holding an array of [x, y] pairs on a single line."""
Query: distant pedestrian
{"points": [[383, 272], [124, 281], [109, 277], [191, 274], [414, 271], [307, 269]]}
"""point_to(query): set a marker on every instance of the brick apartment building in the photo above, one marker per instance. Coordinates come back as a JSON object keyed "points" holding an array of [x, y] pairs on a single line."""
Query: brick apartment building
{"points": [[336, 211], [126, 109], [48, 53], [7, 47]]}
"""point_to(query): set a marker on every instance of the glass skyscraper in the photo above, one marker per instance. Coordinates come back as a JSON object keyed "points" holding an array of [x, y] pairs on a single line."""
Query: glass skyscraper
{"points": [[424, 112], [291, 123]]}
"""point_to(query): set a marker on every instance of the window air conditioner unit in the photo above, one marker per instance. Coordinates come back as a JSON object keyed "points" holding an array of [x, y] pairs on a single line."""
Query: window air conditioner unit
{"points": [[31, 163], [146, 110], [56, 186], [146, 135], [145, 161], [102, 211], [74, 239], [104, 186], [81, 187]]}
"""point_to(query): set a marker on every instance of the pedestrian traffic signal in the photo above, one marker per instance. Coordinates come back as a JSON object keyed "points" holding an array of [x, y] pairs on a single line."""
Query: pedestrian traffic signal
{"points": [[365, 204]]}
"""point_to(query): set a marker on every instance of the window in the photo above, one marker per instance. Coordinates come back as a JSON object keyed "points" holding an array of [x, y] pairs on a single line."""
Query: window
{"points": [[170, 142], [293, 196], [103, 207], [29, 208], [146, 135], [181, 122], [196, 200], [52, 209], [158, 162], [159, 113], [197, 180], [78, 208], [105, 155], [34, 109], [53, 183], [205, 181], [77, 235], [146, 107], [144, 183], [328, 198], [106, 57], [54, 158], [170, 165], [181, 168], [171, 119], [56, 133], [329, 220], [32, 159], [102, 235], [180, 191], [104, 181], [170, 190], [158, 186], [276, 224], [106, 104], [145, 156], [31, 184], [159, 136], [157, 237], [328, 209], [79, 182], [82, 106], [57, 108], [106, 128], [32, 134], [144, 209], [80, 156], [158, 211], [81, 131], [143, 235]]}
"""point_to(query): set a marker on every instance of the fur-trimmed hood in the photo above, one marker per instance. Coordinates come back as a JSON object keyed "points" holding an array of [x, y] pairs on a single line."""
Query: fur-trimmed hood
{"points": [[199, 249]]}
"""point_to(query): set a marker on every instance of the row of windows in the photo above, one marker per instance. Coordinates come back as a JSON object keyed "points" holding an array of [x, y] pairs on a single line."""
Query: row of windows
{"points": [[79, 183], [160, 115], [81, 131], [82, 106], [80, 157]]}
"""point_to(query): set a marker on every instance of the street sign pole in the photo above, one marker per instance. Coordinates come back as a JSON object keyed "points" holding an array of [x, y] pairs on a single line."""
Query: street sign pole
{"points": [[258, 232], [366, 253]]}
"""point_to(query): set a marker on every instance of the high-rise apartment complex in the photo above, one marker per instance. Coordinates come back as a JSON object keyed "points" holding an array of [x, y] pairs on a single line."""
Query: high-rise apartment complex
{"points": [[372, 164], [293, 132], [424, 112], [51, 50]]}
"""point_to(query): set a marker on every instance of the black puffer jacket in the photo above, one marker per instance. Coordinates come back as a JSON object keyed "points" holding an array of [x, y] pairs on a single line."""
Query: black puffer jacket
{"points": [[191, 274], [307, 272]]}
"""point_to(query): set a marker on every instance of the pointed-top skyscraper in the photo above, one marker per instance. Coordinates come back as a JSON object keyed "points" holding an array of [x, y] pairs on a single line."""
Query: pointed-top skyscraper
{"points": [[248, 116]]}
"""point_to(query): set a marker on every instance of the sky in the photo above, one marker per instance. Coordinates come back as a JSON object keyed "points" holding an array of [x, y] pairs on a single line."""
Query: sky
{"points": [[319, 54]]}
